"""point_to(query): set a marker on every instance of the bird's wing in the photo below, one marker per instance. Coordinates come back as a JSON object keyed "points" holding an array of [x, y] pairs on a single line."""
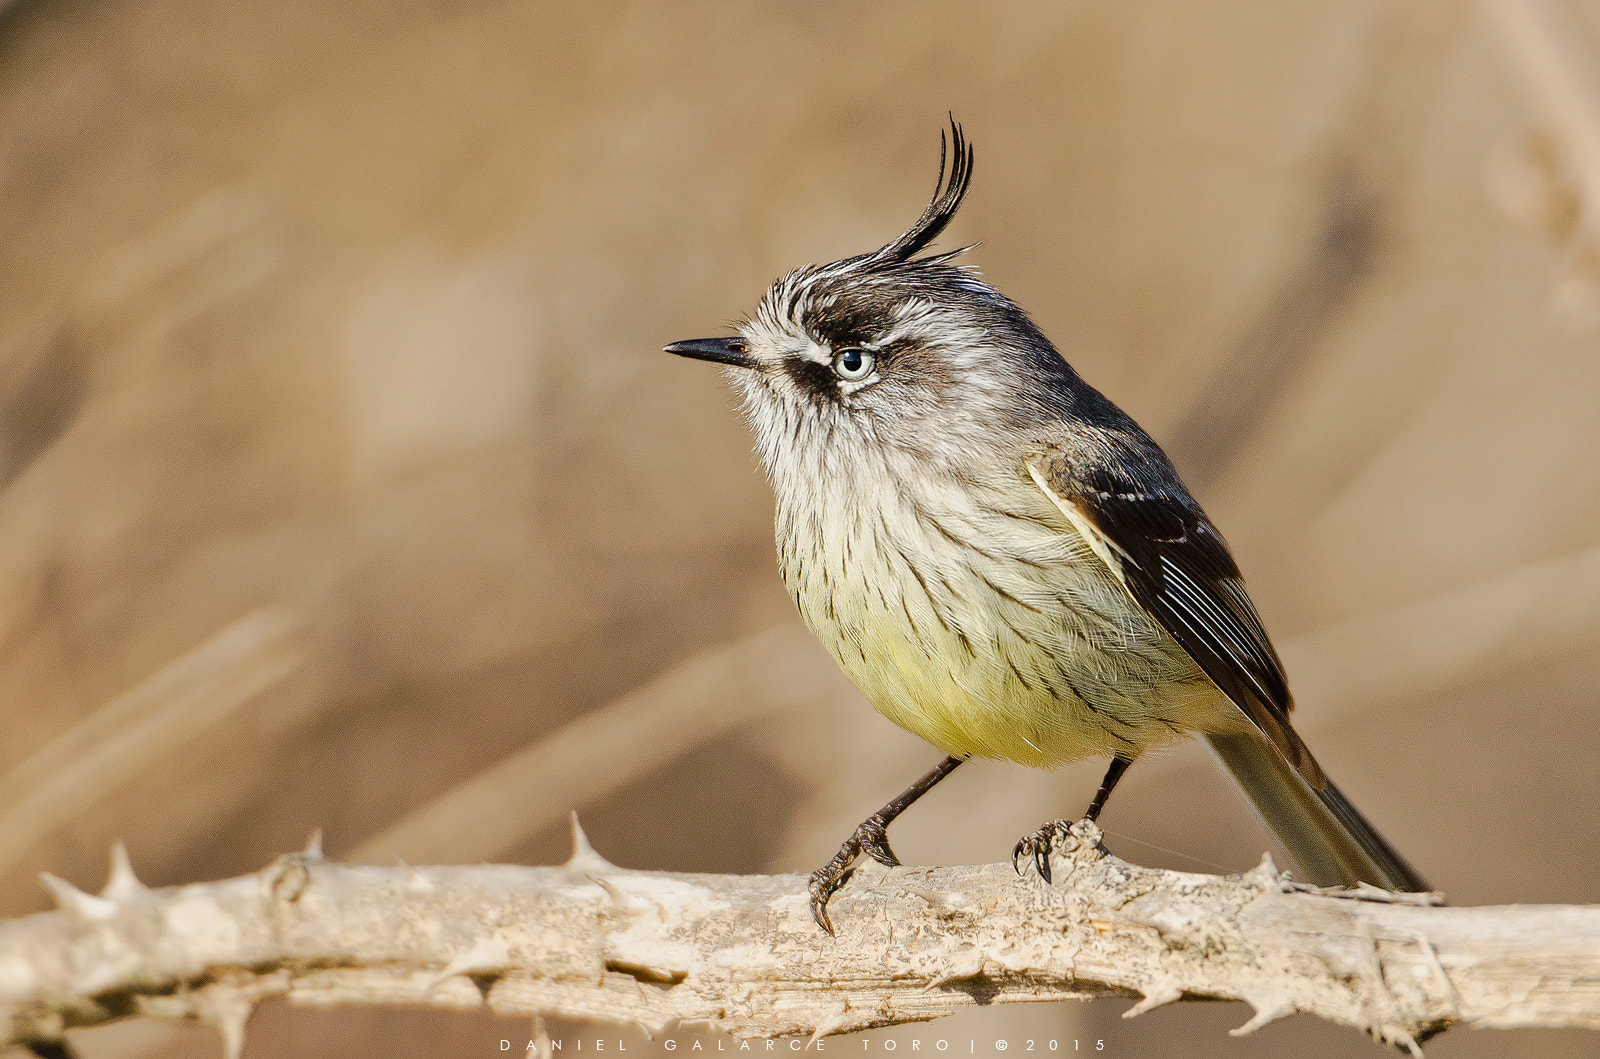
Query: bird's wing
{"points": [[1153, 536]]}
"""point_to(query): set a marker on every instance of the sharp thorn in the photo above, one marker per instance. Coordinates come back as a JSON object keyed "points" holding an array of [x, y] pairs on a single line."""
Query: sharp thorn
{"points": [[1267, 1011], [416, 881], [584, 858], [964, 971], [932, 898], [313, 850], [1267, 871], [828, 1026], [580, 841], [76, 903], [122, 885], [487, 955], [229, 1010], [1155, 997], [606, 885], [232, 1026]]}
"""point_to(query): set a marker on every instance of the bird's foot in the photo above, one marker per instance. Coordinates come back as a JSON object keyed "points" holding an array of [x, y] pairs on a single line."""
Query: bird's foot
{"points": [[873, 834], [1039, 844], [871, 838]]}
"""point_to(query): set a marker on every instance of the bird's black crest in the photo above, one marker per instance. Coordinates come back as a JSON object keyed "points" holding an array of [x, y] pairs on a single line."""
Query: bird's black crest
{"points": [[946, 200]]}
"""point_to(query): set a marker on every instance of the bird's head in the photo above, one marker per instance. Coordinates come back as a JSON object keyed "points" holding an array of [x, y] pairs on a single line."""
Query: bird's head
{"points": [[890, 348]]}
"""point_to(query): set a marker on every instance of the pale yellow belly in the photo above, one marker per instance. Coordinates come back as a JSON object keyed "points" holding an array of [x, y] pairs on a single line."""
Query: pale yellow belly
{"points": [[1042, 661]]}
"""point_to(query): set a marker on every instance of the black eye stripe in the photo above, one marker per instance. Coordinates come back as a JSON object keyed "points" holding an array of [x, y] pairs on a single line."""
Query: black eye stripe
{"points": [[817, 379]]}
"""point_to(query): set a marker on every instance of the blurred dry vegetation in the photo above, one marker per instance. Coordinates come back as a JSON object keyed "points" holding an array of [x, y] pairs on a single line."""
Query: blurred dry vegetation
{"points": [[341, 483]]}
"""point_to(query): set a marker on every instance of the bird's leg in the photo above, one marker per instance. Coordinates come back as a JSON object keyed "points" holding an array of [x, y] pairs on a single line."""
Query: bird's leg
{"points": [[1119, 765], [1040, 842], [871, 838]]}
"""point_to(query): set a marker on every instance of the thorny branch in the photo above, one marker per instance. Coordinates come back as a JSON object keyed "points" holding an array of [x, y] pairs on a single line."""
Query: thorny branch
{"points": [[740, 954]]}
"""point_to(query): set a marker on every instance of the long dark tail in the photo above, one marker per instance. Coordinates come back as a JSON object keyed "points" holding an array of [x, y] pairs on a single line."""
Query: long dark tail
{"points": [[1331, 843]]}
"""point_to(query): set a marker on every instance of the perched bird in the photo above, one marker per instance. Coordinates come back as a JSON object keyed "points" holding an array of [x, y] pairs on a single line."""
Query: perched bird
{"points": [[999, 557]]}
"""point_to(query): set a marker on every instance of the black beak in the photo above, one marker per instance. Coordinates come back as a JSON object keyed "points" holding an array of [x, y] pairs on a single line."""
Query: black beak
{"points": [[732, 351]]}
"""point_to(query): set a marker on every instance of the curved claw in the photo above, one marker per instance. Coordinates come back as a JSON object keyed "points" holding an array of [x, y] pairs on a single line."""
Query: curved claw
{"points": [[1038, 844], [873, 835], [1026, 849], [825, 881], [871, 838]]}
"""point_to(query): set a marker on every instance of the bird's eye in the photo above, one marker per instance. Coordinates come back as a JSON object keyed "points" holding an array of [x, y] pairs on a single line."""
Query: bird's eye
{"points": [[853, 365]]}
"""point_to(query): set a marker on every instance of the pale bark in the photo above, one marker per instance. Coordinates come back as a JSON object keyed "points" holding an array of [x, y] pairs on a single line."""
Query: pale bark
{"points": [[741, 955]]}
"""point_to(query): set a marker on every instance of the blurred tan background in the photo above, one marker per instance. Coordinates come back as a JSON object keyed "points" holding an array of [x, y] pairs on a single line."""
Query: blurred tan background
{"points": [[342, 484]]}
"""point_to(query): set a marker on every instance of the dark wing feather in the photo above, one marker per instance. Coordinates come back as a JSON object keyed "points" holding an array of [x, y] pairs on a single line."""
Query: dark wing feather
{"points": [[1177, 566]]}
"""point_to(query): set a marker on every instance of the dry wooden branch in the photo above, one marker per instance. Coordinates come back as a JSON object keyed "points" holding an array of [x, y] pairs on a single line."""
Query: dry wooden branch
{"points": [[740, 954]]}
